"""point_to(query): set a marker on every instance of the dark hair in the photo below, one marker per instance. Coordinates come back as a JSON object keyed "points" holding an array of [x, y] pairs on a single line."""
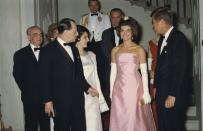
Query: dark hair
{"points": [[163, 13], [65, 24], [135, 27], [117, 10], [157, 10], [98, 2], [81, 29]]}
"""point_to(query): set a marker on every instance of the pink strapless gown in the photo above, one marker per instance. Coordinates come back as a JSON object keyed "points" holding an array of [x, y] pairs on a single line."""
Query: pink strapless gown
{"points": [[126, 113]]}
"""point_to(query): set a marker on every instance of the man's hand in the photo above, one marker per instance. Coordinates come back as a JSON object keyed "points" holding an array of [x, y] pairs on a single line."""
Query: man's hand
{"points": [[49, 109], [93, 92], [170, 101]]}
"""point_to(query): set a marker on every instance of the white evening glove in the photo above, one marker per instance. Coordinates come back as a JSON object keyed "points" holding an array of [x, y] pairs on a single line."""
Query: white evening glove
{"points": [[146, 96], [112, 77], [149, 63]]}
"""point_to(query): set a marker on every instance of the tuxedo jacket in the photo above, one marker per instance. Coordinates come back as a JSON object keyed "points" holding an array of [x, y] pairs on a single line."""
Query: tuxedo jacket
{"points": [[172, 71], [62, 80], [102, 23], [26, 74], [108, 43]]}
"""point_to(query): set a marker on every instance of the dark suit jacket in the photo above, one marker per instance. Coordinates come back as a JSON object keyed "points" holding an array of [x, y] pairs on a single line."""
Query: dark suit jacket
{"points": [[108, 43], [62, 80], [172, 71], [26, 74]]}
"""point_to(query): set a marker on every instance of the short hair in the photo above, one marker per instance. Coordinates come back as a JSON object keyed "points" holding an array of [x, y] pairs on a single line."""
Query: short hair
{"points": [[158, 9], [81, 29], [134, 25], [28, 31], [98, 2], [117, 10], [163, 13], [65, 24]]}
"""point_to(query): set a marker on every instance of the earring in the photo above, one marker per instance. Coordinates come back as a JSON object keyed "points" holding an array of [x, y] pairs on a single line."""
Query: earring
{"points": [[78, 39]]}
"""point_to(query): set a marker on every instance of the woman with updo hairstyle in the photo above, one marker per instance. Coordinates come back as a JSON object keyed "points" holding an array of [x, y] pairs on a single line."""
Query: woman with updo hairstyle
{"points": [[94, 106], [52, 32], [129, 92]]}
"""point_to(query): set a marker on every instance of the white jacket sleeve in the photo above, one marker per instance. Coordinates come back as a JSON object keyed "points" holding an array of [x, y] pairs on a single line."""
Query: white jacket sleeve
{"points": [[112, 77], [146, 96]]}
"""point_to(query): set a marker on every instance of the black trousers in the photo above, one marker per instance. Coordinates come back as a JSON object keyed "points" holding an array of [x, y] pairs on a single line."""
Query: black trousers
{"points": [[35, 117], [171, 119], [70, 119]]}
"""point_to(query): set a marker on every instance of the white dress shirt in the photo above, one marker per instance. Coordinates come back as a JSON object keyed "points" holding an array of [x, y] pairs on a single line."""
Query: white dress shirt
{"points": [[93, 22], [67, 48], [164, 43], [36, 53], [116, 38]]}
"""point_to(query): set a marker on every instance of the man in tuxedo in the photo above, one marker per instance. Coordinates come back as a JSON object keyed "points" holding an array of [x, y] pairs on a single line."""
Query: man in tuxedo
{"points": [[96, 22], [110, 39], [62, 80], [26, 74], [172, 72]]}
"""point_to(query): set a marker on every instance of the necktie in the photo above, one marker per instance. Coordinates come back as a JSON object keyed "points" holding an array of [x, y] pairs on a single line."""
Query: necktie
{"points": [[160, 43], [94, 14], [115, 28], [35, 49]]}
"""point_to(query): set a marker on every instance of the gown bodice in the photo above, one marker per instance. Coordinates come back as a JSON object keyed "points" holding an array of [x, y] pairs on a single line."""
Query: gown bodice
{"points": [[127, 64], [126, 112]]}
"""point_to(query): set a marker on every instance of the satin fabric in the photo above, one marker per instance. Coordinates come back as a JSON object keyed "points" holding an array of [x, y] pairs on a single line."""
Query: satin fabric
{"points": [[94, 106], [126, 112]]}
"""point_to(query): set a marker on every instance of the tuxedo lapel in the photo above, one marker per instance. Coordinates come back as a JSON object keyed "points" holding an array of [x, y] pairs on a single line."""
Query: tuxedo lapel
{"points": [[31, 54], [63, 51], [159, 46], [169, 41], [77, 60]]}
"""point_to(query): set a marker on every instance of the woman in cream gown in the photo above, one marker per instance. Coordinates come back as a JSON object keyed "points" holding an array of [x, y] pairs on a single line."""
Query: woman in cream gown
{"points": [[94, 106]]}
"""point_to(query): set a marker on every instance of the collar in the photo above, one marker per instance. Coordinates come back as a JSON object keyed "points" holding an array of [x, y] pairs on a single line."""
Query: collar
{"points": [[99, 14], [60, 41], [33, 46], [168, 32]]}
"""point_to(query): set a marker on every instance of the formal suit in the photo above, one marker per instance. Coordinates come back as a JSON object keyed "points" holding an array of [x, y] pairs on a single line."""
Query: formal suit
{"points": [[108, 43], [26, 74], [64, 84], [171, 78]]}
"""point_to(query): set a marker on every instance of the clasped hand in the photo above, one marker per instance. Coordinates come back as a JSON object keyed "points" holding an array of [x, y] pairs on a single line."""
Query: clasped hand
{"points": [[93, 92]]}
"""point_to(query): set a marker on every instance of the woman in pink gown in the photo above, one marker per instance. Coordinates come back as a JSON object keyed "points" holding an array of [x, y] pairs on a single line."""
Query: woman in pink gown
{"points": [[130, 108]]}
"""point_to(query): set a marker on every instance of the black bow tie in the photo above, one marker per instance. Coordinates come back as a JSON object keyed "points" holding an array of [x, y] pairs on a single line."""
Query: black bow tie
{"points": [[35, 49], [94, 14], [67, 44]]}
